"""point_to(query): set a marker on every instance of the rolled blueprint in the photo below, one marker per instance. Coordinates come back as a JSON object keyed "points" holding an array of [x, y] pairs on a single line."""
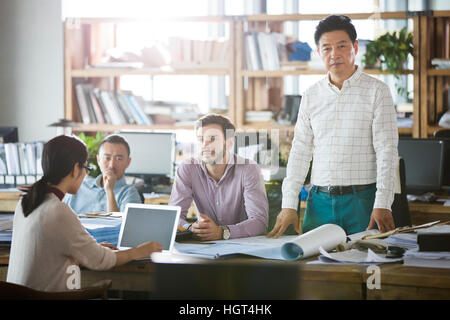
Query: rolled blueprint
{"points": [[327, 236]]}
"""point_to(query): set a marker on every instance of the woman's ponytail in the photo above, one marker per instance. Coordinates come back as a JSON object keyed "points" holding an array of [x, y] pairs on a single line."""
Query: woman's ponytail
{"points": [[34, 196]]}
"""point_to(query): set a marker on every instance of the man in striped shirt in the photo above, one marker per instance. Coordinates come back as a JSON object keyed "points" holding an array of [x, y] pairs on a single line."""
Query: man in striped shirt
{"points": [[347, 126]]}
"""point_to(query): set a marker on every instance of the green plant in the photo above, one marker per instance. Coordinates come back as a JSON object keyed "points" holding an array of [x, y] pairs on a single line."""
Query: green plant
{"points": [[391, 50], [92, 144]]}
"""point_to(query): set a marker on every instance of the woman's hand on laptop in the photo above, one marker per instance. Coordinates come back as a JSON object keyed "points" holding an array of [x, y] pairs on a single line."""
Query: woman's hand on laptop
{"points": [[141, 251], [206, 229], [144, 250], [108, 245]]}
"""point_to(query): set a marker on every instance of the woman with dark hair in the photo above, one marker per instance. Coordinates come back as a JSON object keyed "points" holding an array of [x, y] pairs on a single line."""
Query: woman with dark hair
{"points": [[48, 238]]}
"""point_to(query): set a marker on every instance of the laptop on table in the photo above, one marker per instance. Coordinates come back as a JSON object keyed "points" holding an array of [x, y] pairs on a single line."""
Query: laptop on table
{"points": [[146, 222]]}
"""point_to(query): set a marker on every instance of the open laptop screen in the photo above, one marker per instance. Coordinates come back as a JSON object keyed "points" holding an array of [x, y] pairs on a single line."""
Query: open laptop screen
{"points": [[142, 223]]}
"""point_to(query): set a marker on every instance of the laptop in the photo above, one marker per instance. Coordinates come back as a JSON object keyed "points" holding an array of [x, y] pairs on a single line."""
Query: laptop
{"points": [[146, 222]]}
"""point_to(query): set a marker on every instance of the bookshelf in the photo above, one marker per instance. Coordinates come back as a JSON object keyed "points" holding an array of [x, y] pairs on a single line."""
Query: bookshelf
{"points": [[84, 43], [433, 42], [271, 81], [249, 88]]}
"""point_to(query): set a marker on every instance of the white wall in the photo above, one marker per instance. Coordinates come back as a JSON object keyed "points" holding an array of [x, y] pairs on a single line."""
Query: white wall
{"points": [[31, 67]]}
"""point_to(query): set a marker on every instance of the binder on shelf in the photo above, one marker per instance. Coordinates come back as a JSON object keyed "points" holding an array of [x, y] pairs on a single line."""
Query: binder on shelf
{"points": [[20, 162], [116, 117], [12, 159], [264, 51], [96, 107], [3, 169]]}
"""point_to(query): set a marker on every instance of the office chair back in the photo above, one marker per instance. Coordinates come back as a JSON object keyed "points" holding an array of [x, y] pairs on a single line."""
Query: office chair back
{"points": [[400, 208], [12, 291], [442, 133]]}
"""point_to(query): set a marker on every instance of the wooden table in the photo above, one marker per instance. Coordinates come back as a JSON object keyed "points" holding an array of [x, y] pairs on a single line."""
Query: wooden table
{"points": [[314, 281]]}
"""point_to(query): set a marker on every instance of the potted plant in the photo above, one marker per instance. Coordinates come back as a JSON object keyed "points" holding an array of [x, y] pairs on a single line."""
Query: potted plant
{"points": [[92, 144], [390, 51]]}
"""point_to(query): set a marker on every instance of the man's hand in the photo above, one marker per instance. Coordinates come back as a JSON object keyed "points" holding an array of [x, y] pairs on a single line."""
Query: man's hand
{"points": [[109, 179], [285, 218], [383, 218], [206, 229]]}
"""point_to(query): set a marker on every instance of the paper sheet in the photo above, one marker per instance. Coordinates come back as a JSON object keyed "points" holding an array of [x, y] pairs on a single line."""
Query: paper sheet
{"points": [[327, 236], [354, 256]]}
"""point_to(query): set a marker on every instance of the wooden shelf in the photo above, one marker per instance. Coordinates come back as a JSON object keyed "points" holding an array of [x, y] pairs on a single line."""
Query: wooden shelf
{"points": [[299, 17], [431, 129], [96, 20], [405, 130], [94, 127], [115, 72], [282, 73], [275, 125], [266, 125], [438, 72]]}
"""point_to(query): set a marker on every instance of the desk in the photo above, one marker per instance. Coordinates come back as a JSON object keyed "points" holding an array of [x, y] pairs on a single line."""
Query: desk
{"points": [[426, 212], [314, 281], [8, 201]]}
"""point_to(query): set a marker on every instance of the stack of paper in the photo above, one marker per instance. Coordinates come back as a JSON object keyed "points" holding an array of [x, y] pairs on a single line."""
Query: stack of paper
{"points": [[427, 259], [103, 229], [404, 240], [353, 256], [6, 221]]}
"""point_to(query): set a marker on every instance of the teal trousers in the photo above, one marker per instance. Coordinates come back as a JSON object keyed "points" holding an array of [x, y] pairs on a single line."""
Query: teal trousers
{"points": [[350, 211]]}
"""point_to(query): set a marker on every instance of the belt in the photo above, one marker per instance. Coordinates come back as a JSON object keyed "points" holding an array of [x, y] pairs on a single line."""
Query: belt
{"points": [[341, 190]]}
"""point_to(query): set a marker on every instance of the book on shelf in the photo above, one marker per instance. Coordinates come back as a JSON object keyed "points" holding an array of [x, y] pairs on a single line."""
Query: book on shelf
{"points": [[82, 103], [3, 169], [172, 111], [264, 51], [189, 53], [441, 63], [21, 158], [108, 107], [258, 116], [119, 65]]}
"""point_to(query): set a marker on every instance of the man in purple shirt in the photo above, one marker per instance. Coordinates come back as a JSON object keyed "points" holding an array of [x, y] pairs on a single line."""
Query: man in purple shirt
{"points": [[227, 190]]}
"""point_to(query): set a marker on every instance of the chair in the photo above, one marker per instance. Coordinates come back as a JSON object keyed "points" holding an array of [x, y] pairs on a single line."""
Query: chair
{"points": [[442, 133], [400, 208], [12, 291]]}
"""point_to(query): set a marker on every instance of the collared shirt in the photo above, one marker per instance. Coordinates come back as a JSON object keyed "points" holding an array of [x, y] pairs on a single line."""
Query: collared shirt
{"points": [[91, 197], [57, 192], [238, 200], [351, 134]]}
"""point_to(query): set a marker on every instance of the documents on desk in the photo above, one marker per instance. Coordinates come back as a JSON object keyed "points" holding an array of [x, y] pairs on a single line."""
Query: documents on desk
{"points": [[433, 259], [103, 229], [353, 256], [327, 236]]}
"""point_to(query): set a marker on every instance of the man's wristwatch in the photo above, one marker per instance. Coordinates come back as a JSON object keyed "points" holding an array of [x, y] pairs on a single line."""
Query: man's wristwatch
{"points": [[225, 233]]}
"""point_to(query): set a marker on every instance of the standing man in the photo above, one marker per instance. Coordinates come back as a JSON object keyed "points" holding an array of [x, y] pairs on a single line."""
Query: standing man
{"points": [[228, 190], [109, 191], [347, 125]]}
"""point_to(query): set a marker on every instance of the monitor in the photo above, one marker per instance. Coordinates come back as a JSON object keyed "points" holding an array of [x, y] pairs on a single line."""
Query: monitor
{"points": [[9, 134], [424, 164], [152, 153]]}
